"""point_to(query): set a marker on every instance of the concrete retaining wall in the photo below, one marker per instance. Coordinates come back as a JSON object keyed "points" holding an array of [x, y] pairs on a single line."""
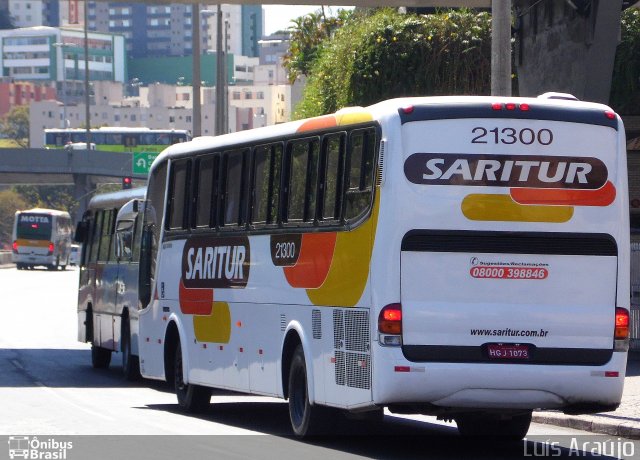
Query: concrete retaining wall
{"points": [[5, 257]]}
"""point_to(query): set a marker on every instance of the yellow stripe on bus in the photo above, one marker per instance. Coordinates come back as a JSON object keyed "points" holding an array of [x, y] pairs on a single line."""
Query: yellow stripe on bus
{"points": [[488, 207], [349, 269], [34, 243], [216, 327]]}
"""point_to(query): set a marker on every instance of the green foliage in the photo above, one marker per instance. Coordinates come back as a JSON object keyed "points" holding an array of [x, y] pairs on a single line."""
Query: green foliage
{"points": [[15, 125], [308, 36], [10, 202], [625, 86], [48, 196], [389, 55]]}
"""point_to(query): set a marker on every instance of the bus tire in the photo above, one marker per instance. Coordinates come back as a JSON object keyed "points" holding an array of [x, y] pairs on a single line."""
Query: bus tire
{"points": [[306, 419], [191, 398], [493, 426], [100, 357], [19, 266], [130, 362]]}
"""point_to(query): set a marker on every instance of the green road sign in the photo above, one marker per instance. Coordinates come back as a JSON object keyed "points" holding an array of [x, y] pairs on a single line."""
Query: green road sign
{"points": [[142, 161]]}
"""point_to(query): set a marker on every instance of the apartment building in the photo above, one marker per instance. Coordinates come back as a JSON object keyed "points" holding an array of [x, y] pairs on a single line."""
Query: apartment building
{"points": [[165, 106], [30, 13], [166, 29]]}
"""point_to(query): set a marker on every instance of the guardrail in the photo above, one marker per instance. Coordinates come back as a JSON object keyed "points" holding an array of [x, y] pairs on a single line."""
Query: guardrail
{"points": [[5, 257]]}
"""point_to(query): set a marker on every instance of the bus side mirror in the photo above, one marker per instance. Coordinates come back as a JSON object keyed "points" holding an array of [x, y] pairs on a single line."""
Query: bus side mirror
{"points": [[82, 230], [144, 278]]}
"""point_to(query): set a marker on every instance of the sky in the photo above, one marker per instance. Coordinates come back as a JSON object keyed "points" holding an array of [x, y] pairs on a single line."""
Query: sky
{"points": [[278, 17]]}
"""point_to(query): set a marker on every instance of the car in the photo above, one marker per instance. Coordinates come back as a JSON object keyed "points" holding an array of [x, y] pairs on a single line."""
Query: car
{"points": [[74, 255]]}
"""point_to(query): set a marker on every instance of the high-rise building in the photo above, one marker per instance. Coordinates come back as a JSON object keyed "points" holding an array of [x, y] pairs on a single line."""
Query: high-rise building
{"points": [[166, 29], [29, 13]]}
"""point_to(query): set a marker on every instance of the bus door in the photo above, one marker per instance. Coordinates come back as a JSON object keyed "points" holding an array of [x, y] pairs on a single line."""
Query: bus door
{"points": [[127, 252]]}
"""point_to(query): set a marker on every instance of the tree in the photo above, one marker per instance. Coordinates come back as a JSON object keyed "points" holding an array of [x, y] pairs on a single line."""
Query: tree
{"points": [[5, 19], [307, 38], [388, 55], [15, 125], [48, 196], [10, 202], [625, 85]]}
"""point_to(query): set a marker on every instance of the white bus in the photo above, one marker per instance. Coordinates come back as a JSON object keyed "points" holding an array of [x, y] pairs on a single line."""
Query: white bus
{"points": [[464, 257], [41, 237]]}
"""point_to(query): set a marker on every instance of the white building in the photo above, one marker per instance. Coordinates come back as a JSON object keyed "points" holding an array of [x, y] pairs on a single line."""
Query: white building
{"points": [[163, 106], [38, 53]]}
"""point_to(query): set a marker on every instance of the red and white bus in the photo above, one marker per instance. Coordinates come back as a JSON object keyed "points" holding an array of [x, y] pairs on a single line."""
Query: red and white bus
{"points": [[465, 257]]}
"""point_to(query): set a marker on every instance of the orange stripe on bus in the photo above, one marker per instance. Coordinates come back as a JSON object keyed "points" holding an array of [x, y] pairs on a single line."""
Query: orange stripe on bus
{"points": [[312, 267], [325, 121], [195, 301], [603, 196]]}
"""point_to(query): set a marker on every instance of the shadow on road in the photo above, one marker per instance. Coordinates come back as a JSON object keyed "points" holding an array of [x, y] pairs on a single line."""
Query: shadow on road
{"points": [[26, 367], [394, 438]]}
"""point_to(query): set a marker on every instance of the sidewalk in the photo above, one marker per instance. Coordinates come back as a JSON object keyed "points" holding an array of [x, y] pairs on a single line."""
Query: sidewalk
{"points": [[624, 422]]}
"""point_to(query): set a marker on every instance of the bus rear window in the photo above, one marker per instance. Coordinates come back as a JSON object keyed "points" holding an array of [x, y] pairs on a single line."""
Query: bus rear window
{"points": [[34, 227]]}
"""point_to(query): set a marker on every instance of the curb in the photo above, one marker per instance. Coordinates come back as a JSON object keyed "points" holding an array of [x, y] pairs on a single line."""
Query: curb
{"points": [[593, 423]]}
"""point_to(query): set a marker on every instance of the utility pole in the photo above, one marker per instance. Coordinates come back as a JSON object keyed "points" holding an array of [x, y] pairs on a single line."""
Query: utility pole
{"points": [[195, 84], [220, 75], [501, 47], [87, 96]]}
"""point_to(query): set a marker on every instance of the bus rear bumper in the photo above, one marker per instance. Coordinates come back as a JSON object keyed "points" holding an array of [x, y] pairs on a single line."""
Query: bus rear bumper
{"points": [[450, 386], [31, 259]]}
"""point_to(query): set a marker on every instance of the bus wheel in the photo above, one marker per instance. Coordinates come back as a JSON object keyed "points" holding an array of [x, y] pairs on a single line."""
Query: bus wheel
{"points": [[514, 428], [19, 266], [192, 398], [306, 420], [130, 363], [100, 357]]}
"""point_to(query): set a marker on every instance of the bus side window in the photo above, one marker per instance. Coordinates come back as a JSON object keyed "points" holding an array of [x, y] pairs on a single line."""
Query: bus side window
{"points": [[359, 180], [332, 170], [124, 240], [105, 236], [233, 186], [131, 140], [206, 191], [266, 184], [96, 231], [137, 233], [179, 182], [303, 176]]}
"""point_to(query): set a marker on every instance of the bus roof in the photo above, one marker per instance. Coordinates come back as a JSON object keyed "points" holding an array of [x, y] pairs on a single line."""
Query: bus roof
{"points": [[112, 129], [355, 115], [51, 212], [116, 199]]}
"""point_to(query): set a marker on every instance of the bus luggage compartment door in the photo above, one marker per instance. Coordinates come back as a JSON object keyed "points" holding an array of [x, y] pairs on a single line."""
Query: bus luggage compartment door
{"points": [[541, 299]]}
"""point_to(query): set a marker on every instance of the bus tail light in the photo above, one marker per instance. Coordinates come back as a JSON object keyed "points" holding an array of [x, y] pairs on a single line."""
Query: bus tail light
{"points": [[622, 324], [51, 247], [15, 247], [390, 325]]}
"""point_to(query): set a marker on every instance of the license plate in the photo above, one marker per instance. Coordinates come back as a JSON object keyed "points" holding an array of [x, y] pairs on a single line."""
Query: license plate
{"points": [[507, 351]]}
